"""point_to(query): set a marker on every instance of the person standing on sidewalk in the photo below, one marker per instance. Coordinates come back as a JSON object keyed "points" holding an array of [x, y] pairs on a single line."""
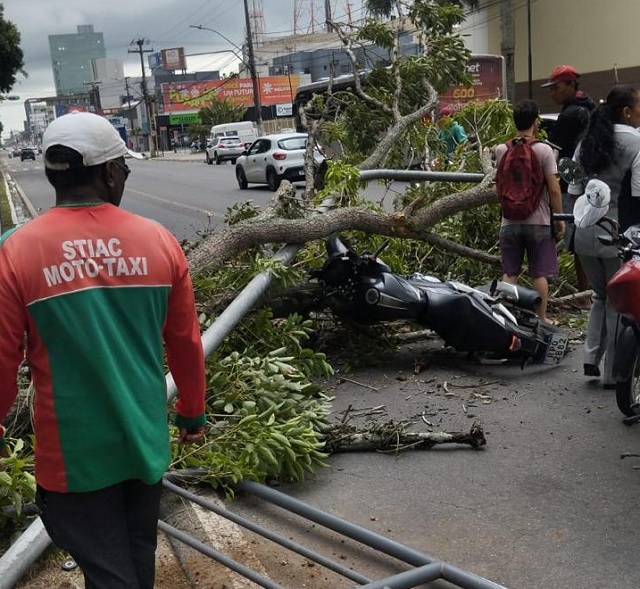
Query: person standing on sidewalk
{"points": [[564, 87], [610, 151], [532, 235], [102, 295]]}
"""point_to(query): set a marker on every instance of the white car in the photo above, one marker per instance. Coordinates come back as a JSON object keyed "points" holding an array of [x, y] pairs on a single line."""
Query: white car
{"points": [[273, 158], [223, 149]]}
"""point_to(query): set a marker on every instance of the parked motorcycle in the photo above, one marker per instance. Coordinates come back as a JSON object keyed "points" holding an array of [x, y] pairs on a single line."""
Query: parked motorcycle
{"points": [[501, 321], [623, 290]]}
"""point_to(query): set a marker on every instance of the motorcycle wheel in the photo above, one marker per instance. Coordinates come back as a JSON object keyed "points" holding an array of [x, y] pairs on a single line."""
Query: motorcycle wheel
{"points": [[628, 391]]}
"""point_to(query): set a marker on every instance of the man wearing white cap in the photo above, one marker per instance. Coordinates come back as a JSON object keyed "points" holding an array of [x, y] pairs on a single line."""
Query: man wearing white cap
{"points": [[101, 294]]}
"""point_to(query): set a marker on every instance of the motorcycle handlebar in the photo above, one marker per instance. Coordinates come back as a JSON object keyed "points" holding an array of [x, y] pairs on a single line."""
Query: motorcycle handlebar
{"points": [[606, 223], [563, 217]]}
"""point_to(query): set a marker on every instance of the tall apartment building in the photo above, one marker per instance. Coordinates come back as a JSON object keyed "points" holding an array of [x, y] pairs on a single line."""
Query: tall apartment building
{"points": [[71, 56]]}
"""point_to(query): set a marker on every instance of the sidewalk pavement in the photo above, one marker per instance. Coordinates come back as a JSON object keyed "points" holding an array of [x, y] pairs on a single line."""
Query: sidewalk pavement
{"points": [[180, 155]]}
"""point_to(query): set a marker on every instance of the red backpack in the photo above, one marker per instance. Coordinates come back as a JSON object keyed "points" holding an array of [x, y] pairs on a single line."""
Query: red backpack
{"points": [[520, 179]]}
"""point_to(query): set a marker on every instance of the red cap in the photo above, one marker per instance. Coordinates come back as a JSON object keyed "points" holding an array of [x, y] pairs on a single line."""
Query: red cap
{"points": [[446, 111], [561, 73]]}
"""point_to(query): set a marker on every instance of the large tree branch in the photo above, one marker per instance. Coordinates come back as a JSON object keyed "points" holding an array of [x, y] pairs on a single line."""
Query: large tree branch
{"points": [[268, 228], [400, 126], [347, 42]]}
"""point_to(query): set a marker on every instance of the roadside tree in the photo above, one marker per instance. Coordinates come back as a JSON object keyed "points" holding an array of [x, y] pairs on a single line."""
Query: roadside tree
{"points": [[221, 111], [11, 56], [368, 124]]}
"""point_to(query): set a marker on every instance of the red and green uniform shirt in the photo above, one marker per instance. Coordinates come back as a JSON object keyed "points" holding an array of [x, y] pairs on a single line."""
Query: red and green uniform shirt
{"points": [[102, 294]]}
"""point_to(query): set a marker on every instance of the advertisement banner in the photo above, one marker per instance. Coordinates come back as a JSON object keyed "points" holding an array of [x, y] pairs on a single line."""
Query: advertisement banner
{"points": [[63, 109], [487, 81], [190, 96], [173, 59]]}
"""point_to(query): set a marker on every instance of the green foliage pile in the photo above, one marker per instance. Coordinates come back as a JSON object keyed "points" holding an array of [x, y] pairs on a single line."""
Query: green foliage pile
{"points": [[17, 485], [266, 413]]}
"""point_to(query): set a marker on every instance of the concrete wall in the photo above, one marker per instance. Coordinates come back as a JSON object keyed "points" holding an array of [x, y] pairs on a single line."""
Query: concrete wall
{"points": [[597, 37]]}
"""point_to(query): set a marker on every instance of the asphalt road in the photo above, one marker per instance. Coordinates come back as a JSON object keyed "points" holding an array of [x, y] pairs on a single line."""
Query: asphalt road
{"points": [[179, 191], [548, 502], [186, 196]]}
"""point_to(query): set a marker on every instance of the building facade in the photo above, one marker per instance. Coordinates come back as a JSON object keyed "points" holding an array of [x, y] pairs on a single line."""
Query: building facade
{"points": [[595, 37], [71, 56]]}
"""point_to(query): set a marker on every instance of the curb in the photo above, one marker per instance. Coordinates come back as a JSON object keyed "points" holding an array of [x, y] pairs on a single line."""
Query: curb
{"points": [[24, 198], [12, 208]]}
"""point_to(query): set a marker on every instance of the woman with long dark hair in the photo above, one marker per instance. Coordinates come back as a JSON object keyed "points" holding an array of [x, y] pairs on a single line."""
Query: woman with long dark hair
{"points": [[609, 151]]}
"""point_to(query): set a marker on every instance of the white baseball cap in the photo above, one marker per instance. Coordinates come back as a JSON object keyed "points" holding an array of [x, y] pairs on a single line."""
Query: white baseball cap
{"points": [[92, 136]]}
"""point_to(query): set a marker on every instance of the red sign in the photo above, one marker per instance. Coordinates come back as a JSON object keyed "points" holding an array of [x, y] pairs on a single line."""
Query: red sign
{"points": [[190, 96], [487, 74]]}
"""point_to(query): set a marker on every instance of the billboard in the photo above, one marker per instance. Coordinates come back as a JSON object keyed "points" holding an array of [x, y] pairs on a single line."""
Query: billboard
{"points": [[63, 109], [190, 96], [487, 81], [173, 59]]}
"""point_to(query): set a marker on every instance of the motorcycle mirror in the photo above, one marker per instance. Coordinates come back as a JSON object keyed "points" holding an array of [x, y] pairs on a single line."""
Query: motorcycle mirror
{"points": [[570, 171], [380, 249], [593, 205]]}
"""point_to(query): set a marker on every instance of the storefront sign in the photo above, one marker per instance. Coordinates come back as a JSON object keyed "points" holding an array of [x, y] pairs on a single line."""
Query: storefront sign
{"points": [[189, 96]]}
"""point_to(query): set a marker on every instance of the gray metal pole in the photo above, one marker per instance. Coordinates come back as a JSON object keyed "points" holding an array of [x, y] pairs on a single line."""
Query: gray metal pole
{"points": [[16, 561], [240, 306], [420, 176], [365, 536], [218, 556], [322, 560]]}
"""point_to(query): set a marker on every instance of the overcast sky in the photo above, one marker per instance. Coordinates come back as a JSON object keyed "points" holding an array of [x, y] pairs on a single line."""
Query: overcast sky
{"points": [[164, 22]]}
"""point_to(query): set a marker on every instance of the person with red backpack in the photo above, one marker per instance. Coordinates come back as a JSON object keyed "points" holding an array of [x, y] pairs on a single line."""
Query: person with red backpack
{"points": [[528, 192]]}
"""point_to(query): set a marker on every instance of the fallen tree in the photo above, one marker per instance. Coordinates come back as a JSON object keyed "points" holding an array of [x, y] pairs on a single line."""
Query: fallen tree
{"points": [[371, 127]]}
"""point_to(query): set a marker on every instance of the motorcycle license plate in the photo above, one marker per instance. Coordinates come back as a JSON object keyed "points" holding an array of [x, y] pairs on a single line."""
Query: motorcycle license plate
{"points": [[556, 347]]}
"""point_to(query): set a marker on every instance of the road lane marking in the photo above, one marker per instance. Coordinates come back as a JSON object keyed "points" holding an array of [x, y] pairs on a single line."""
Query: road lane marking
{"points": [[175, 203]]}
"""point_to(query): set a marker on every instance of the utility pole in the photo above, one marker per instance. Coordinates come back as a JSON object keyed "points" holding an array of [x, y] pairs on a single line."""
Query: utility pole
{"points": [[129, 109], [252, 67], [507, 46], [327, 15], [148, 102], [95, 94]]}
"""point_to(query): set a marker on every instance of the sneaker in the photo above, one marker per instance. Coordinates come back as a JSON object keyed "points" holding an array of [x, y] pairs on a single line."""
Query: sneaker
{"points": [[592, 370]]}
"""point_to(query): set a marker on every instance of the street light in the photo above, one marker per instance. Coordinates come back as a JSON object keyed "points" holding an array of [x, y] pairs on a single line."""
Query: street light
{"points": [[227, 40], [252, 69]]}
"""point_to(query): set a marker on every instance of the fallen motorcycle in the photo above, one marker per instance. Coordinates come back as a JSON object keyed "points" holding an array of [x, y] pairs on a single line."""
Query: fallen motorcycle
{"points": [[501, 321]]}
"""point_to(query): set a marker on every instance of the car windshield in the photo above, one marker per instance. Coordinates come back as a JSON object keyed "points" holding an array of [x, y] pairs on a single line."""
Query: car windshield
{"points": [[293, 143]]}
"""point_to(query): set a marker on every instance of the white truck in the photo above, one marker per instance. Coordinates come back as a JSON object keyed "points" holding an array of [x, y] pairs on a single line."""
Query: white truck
{"points": [[245, 130], [229, 140]]}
